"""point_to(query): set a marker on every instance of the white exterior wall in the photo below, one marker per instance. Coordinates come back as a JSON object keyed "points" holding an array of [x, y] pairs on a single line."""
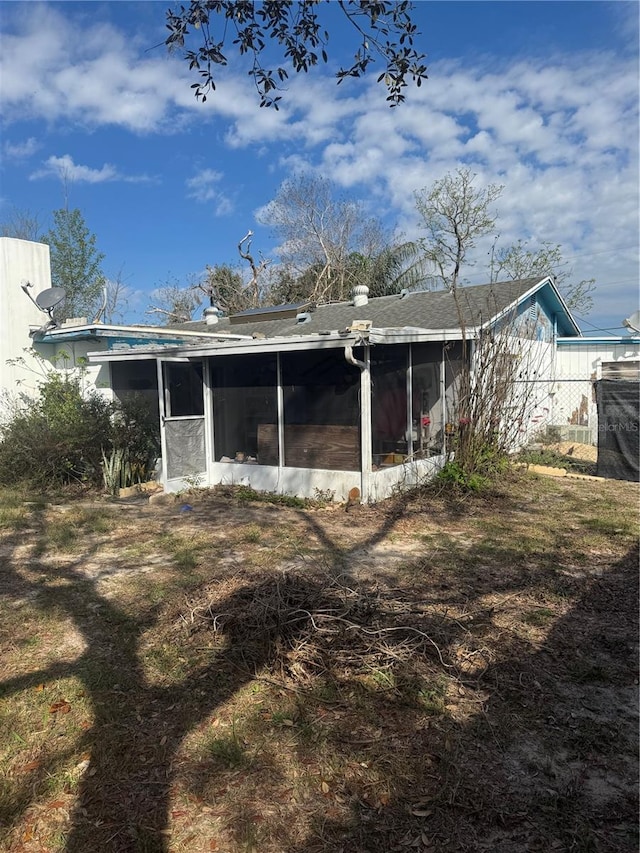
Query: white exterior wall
{"points": [[71, 357], [20, 260], [582, 360], [578, 366]]}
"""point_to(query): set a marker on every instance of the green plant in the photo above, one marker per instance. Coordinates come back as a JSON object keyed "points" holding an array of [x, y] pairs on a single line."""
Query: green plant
{"points": [[116, 471], [227, 750], [431, 696], [135, 429], [67, 435], [245, 493], [323, 496], [58, 438], [252, 534], [539, 618], [453, 475], [193, 481]]}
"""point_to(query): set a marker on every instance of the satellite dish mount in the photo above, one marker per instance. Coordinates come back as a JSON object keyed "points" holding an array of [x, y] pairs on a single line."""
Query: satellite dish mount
{"points": [[46, 300]]}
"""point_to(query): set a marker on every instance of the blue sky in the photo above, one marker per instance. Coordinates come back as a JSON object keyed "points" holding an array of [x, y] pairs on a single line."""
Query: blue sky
{"points": [[541, 97]]}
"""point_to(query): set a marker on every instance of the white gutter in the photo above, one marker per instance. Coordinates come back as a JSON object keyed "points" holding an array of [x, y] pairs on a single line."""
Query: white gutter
{"points": [[282, 344], [279, 344], [412, 334]]}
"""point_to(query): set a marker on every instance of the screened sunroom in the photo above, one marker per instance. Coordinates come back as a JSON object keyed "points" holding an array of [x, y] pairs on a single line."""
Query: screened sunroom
{"points": [[326, 418]]}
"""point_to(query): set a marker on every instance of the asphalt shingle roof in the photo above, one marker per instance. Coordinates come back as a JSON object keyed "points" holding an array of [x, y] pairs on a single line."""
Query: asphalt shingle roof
{"points": [[433, 310]]}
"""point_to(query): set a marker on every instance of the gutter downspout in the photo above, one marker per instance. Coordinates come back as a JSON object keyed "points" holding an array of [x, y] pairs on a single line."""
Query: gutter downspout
{"points": [[365, 418]]}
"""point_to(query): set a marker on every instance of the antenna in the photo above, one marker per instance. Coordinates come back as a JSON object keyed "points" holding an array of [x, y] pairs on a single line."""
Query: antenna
{"points": [[633, 322], [102, 308]]}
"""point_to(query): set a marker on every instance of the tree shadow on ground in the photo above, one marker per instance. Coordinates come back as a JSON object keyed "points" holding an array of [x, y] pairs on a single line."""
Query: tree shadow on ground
{"points": [[510, 776]]}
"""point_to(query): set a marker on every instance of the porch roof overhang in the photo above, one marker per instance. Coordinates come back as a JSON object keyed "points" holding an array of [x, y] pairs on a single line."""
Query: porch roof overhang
{"points": [[133, 335], [330, 340]]}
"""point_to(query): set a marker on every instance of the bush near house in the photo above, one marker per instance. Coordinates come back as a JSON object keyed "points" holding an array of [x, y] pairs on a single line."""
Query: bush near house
{"points": [[61, 438]]}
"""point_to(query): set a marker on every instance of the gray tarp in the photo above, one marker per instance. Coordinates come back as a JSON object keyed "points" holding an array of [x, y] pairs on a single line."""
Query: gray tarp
{"points": [[618, 404]]}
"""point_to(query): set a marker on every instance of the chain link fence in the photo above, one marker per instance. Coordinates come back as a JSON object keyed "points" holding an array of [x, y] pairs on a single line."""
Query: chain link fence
{"points": [[563, 411]]}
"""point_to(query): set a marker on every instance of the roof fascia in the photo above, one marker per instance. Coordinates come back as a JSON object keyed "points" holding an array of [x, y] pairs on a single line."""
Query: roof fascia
{"points": [[585, 340], [244, 347], [150, 331], [415, 335], [546, 281], [285, 344]]}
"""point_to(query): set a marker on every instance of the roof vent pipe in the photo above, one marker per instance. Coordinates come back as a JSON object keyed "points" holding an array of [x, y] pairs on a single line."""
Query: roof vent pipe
{"points": [[360, 295], [211, 315]]}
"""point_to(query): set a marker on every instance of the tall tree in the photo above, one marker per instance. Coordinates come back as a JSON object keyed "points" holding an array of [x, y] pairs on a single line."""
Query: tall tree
{"points": [[175, 303], [518, 261], [75, 264], [224, 287], [455, 214], [23, 225], [117, 298], [383, 30], [330, 244]]}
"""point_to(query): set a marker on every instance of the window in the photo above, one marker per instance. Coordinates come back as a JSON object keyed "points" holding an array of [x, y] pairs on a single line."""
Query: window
{"points": [[389, 405], [245, 408], [184, 396], [321, 410]]}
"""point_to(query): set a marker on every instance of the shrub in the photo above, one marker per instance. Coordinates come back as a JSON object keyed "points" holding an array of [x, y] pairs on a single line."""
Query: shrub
{"points": [[57, 438], [64, 436], [453, 475]]}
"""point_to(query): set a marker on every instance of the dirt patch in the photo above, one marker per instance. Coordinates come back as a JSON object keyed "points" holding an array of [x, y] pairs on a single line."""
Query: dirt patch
{"points": [[585, 452], [429, 674]]}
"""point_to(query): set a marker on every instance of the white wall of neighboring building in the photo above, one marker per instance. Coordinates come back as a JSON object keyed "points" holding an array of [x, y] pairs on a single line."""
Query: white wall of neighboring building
{"points": [[582, 357], [578, 365], [20, 260]]}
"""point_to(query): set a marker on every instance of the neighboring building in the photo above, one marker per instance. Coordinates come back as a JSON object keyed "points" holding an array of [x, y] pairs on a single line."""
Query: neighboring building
{"points": [[340, 396], [21, 261], [580, 362]]}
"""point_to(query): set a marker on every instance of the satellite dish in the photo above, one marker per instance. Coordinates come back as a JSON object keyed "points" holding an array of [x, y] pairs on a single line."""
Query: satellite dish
{"points": [[633, 322], [47, 299]]}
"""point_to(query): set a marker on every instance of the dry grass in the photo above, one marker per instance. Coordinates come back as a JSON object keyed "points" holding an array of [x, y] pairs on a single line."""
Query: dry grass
{"points": [[427, 674]]}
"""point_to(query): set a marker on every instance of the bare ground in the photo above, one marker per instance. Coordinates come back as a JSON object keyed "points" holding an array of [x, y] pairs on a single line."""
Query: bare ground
{"points": [[426, 674]]}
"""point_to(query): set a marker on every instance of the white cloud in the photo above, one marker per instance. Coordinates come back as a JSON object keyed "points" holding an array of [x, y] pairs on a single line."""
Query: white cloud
{"points": [[20, 150], [203, 188], [65, 169], [55, 69]]}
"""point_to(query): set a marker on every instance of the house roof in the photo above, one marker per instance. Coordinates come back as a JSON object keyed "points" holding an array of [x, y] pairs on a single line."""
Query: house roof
{"points": [[426, 315], [430, 310]]}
